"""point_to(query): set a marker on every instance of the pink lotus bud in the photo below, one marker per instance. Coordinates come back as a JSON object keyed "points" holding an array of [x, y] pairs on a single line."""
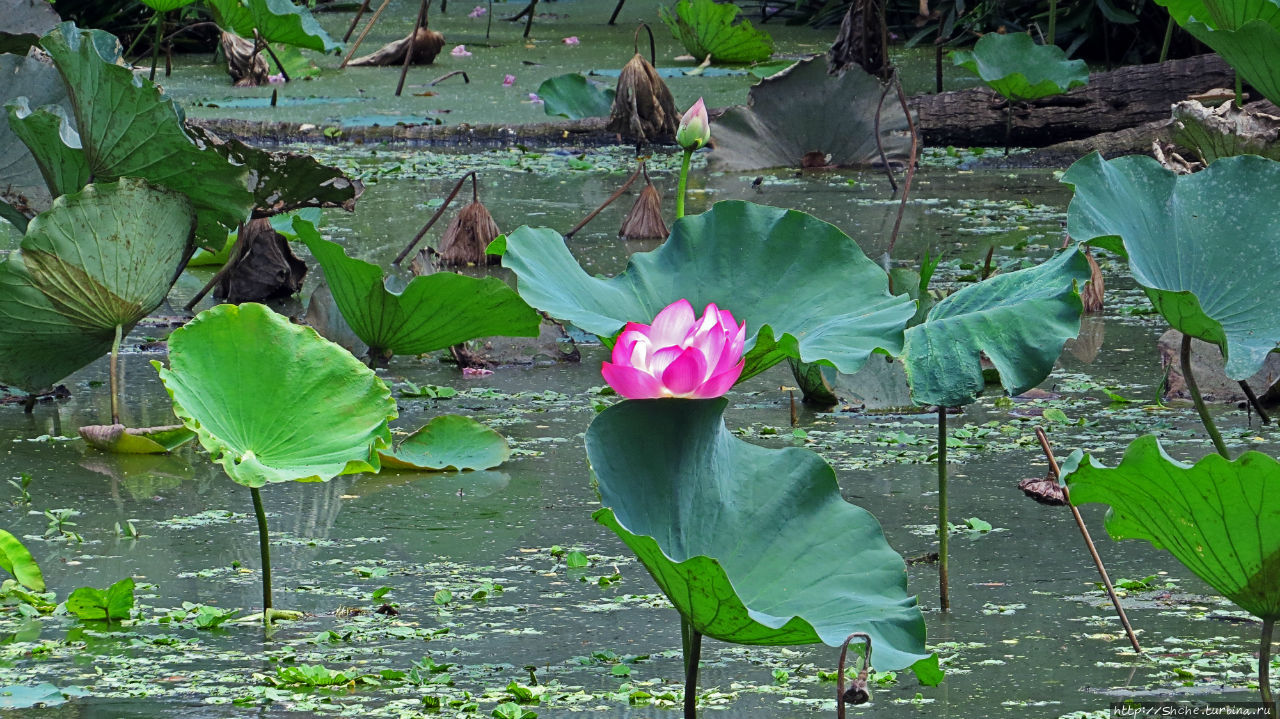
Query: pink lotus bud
{"points": [[571, 40], [695, 127], [460, 51], [479, 11], [509, 80], [679, 355]]}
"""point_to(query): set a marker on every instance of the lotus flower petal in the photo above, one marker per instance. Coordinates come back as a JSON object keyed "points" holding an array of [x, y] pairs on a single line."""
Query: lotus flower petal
{"points": [[679, 355]]}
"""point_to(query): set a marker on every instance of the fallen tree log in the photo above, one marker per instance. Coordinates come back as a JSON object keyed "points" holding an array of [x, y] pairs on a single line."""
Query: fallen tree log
{"points": [[1112, 101]]}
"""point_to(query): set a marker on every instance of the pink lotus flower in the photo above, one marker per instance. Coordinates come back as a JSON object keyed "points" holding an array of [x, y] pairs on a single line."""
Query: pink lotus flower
{"points": [[679, 355], [571, 40], [509, 80], [478, 12], [460, 51]]}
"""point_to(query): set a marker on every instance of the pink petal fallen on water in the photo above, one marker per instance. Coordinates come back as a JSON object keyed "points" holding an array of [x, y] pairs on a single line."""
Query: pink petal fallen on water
{"points": [[571, 40], [276, 79], [476, 372], [509, 80], [533, 97], [478, 12], [460, 51]]}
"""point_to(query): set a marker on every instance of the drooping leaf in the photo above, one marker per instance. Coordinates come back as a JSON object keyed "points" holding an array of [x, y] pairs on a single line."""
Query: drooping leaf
{"points": [[449, 441], [1195, 243], [99, 258], [1214, 132], [16, 560], [118, 439], [142, 135], [61, 163], [1016, 67], [25, 77], [113, 604], [433, 312], [838, 119], [575, 97], [272, 401], [278, 21], [752, 545], [707, 27], [1019, 320], [1220, 518], [283, 182], [282, 224], [1246, 33], [803, 287]]}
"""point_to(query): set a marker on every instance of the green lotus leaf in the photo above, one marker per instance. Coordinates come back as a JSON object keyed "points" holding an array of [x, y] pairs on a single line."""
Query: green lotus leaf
{"points": [[706, 27], [272, 401], [433, 312], [61, 165], [1195, 244], [16, 560], [1019, 69], [575, 97], [784, 272], [141, 136], [1246, 33], [166, 5], [115, 603], [283, 182], [1019, 320], [100, 258], [118, 439], [278, 21], [449, 441], [36, 83], [1220, 518], [751, 545]]}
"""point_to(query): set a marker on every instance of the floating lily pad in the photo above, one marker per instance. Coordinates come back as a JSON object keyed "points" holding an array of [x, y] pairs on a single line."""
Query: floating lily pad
{"points": [[803, 287], [751, 545], [575, 97], [1019, 69], [1220, 518], [119, 439], [449, 441], [16, 560], [99, 259], [433, 312], [1019, 320], [837, 125], [278, 21], [1246, 33], [707, 27], [1199, 244], [20, 696], [272, 401]]}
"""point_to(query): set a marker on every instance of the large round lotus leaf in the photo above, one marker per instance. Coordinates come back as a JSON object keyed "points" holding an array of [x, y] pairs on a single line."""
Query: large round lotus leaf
{"points": [[707, 27], [278, 21], [787, 274], [1016, 67], [1220, 518], [1246, 33], [449, 441], [751, 545], [1019, 320], [1201, 245], [433, 312], [127, 128], [272, 401], [99, 258]]}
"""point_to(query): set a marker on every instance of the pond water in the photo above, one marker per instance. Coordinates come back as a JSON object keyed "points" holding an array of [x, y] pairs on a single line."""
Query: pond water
{"points": [[1030, 634]]}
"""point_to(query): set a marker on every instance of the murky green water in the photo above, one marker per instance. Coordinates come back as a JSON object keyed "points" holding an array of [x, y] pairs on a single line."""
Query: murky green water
{"points": [[1029, 634]]}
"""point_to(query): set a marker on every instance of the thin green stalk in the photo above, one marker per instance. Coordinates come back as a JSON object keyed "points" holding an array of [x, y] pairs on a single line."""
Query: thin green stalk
{"points": [[1239, 91], [265, 547], [142, 32], [155, 49], [1264, 661], [692, 656], [115, 375], [1053, 23], [684, 181], [944, 529], [1201, 409], [1168, 38]]}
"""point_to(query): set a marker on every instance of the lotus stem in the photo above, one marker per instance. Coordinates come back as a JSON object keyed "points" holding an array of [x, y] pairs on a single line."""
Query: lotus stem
{"points": [[911, 164], [1264, 662], [364, 7], [944, 596], [616, 194], [413, 38], [1088, 541], [1201, 409], [860, 684], [264, 547], [155, 48], [616, 9], [360, 38], [1168, 38], [1255, 402], [528, 20], [692, 640], [284, 74], [475, 195], [888, 170], [1008, 125], [142, 32], [684, 181], [1053, 23], [115, 375]]}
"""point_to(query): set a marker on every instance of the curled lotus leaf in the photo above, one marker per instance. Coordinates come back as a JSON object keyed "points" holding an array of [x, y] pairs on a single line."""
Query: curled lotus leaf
{"points": [[752, 545], [36, 84], [16, 560], [803, 287], [1019, 320], [272, 401], [119, 439], [1220, 518], [1019, 69], [1197, 244], [449, 441]]}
